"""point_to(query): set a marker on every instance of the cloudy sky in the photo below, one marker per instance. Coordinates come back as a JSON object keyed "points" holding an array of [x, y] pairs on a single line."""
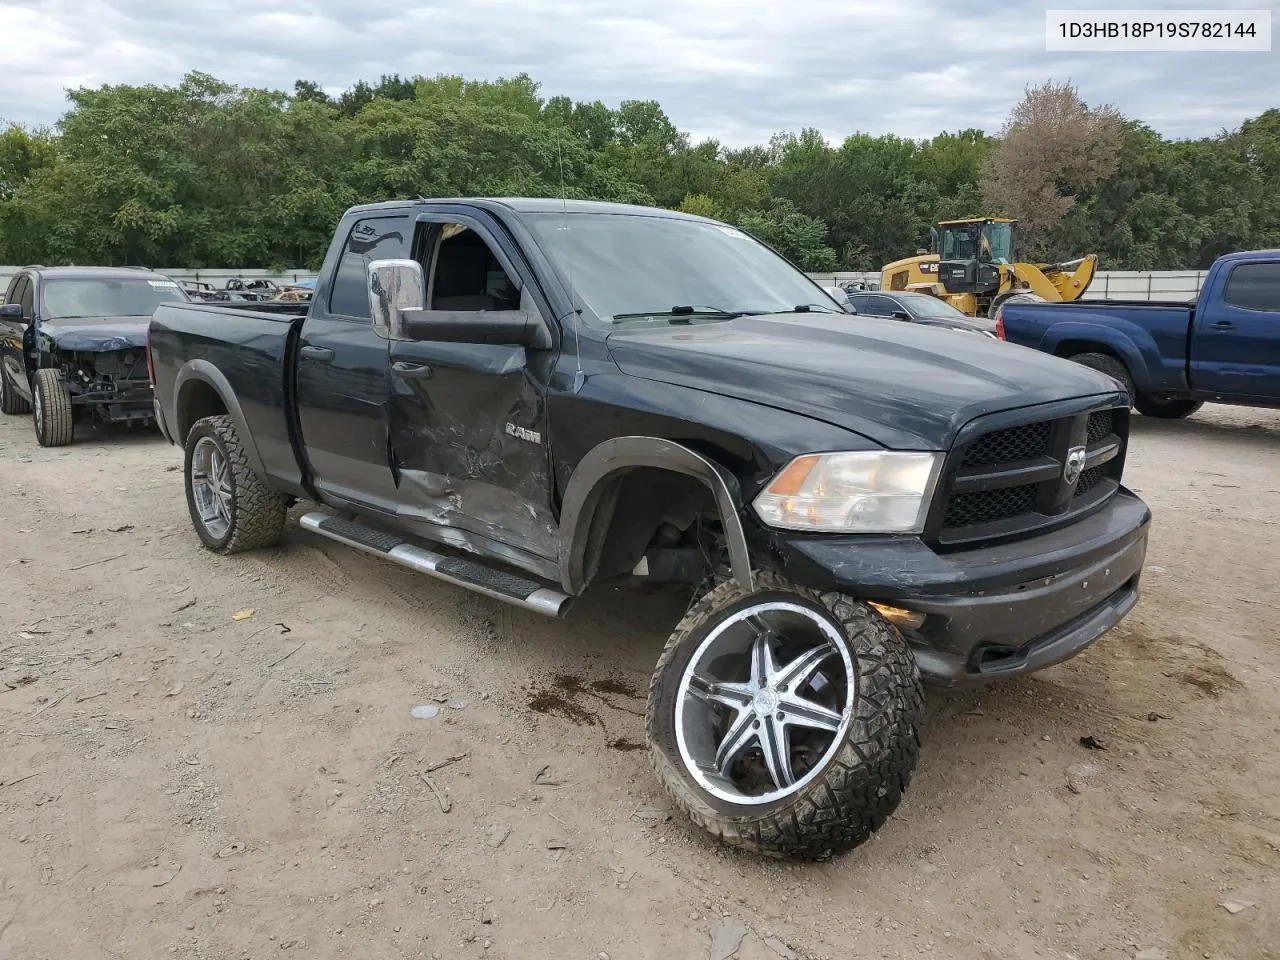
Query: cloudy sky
{"points": [[737, 70]]}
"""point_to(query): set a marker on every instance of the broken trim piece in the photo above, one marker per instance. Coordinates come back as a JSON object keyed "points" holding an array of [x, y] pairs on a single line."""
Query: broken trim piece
{"points": [[589, 482]]}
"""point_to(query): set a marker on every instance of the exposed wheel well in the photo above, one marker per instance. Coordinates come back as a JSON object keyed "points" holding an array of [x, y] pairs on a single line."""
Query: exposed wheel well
{"points": [[646, 508], [199, 400]]}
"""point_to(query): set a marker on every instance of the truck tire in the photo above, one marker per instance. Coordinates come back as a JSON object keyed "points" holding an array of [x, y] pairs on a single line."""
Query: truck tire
{"points": [[804, 760], [1166, 408], [1111, 366], [231, 507], [51, 411], [1014, 296], [10, 402]]}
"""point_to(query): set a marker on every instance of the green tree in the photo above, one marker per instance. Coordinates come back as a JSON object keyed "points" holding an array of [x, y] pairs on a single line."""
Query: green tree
{"points": [[700, 205], [207, 174], [799, 238]]}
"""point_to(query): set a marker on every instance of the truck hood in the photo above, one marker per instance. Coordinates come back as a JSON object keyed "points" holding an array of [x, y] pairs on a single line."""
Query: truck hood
{"points": [[97, 334], [902, 385]]}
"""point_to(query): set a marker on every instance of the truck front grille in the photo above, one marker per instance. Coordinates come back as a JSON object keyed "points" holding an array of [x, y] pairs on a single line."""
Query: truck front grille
{"points": [[1101, 425], [1008, 446], [1016, 480], [967, 509]]}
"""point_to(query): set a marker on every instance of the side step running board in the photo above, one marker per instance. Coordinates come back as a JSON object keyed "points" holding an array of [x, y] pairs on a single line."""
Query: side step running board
{"points": [[456, 570]]}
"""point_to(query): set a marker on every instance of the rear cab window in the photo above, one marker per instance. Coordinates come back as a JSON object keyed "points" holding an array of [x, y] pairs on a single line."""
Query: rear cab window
{"points": [[1254, 286], [373, 238]]}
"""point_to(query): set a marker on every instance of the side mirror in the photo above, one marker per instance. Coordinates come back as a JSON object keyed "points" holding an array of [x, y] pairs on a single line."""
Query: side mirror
{"points": [[10, 311], [394, 287], [509, 328], [900, 315], [397, 298]]}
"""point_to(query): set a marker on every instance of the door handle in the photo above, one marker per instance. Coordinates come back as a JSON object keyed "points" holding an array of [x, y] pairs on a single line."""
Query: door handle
{"points": [[411, 371], [1223, 325], [322, 354]]}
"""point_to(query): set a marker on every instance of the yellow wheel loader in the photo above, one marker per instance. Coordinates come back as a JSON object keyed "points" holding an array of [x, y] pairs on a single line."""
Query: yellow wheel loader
{"points": [[972, 268]]}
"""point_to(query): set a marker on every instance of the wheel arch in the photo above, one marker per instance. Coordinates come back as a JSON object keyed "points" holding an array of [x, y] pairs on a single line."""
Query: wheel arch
{"points": [[1069, 339], [587, 500], [201, 390]]}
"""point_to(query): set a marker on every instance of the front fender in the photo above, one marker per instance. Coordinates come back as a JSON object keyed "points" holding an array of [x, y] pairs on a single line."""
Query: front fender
{"points": [[191, 376], [605, 461]]}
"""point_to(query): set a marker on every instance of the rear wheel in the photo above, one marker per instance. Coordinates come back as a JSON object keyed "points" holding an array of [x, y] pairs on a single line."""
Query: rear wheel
{"points": [[784, 720], [1166, 408], [231, 507], [10, 402], [1112, 366], [51, 409]]}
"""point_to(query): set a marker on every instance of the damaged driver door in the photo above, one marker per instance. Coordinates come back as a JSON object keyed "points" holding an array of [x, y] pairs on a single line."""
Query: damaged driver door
{"points": [[468, 439]]}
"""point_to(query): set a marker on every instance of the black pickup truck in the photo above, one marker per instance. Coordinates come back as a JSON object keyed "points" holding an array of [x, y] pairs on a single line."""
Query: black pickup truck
{"points": [[530, 397]]}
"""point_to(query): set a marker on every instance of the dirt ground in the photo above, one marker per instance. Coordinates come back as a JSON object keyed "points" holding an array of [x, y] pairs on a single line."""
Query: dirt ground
{"points": [[180, 778]]}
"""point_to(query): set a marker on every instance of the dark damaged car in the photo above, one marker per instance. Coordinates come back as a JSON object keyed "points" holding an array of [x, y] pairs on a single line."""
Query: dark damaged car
{"points": [[535, 398], [73, 346]]}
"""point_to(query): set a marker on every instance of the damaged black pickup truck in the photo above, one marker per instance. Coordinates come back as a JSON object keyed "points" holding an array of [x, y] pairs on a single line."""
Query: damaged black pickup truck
{"points": [[528, 398], [72, 344]]}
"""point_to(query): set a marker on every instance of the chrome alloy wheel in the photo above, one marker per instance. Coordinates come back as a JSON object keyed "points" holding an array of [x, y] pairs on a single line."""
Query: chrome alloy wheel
{"points": [[764, 702], [211, 487]]}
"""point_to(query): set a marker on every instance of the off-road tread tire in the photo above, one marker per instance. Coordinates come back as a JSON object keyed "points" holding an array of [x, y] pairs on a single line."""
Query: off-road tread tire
{"points": [[58, 428], [258, 513], [867, 779], [1111, 366], [10, 402], [1175, 409]]}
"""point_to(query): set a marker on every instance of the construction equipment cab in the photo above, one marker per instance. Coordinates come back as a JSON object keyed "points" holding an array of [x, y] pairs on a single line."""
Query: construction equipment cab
{"points": [[972, 268]]}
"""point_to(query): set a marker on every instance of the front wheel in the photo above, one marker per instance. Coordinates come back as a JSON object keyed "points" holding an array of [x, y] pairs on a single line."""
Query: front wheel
{"points": [[231, 507], [784, 720], [1166, 408], [51, 410]]}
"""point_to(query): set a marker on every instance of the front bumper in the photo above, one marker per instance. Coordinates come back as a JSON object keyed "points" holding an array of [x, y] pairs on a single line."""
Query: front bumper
{"points": [[997, 611]]}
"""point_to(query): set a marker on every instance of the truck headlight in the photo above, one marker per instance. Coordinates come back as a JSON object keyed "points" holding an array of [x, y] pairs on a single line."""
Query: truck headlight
{"points": [[881, 491]]}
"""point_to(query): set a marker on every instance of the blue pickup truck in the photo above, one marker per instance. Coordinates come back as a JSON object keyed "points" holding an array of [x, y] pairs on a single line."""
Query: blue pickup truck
{"points": [[1223, 347]]}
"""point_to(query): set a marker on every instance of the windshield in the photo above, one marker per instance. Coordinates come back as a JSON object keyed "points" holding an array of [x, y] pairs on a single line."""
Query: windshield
{"points": [[106, 297], [640, 267], [997, 242], [933, 308]]}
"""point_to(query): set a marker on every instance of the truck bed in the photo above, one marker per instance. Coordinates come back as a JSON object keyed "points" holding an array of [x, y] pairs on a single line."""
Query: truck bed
{"points": [[1125, 303], [1157, 334], [251, 350]]}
